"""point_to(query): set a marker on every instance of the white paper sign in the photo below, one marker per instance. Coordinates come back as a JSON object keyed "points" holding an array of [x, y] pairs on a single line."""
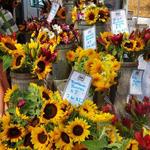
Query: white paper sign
{"points": [[141, 63], [136, 82], [89, 38], [53, 11], [119, 21], [77, 88]]}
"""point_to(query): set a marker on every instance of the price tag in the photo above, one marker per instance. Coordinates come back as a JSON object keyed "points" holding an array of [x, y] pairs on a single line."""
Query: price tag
{"points": [[53, 11], [89, 38], [77, 88], [119, 21], [136, 82]]}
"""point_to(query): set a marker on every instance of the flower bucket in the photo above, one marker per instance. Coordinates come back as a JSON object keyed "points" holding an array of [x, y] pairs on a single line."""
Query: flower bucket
{"points": [[23, 79], [68, 7], [122, 88], [61, 68]]}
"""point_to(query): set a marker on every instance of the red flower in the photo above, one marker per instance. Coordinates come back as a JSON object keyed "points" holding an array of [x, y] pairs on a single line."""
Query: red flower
{"points": [[127, 122], [107, 108], [114, 120], [144, 141], [147, 35], [117, 38], [21, 103]]}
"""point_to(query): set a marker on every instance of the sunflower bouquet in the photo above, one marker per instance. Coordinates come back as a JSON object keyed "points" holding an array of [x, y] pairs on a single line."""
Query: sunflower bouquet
{"points": [[123, 46], [40, 119], [35, 57], [90, 13], [103, 68]]}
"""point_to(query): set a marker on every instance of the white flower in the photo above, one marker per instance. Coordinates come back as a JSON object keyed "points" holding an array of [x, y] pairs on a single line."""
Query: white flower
{"points": [[51, 34], [57, 28]]}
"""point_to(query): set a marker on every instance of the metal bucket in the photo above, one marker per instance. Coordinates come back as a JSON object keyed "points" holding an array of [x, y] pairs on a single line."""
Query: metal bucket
{"points": [[69, 6], [123, 86], [23, 80], [61, 68]]}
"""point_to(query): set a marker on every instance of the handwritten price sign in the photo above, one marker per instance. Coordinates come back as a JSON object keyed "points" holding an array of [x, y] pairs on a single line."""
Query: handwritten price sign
{"points": [[119, 21], [89, 38], [77, 88], [136, 82]]}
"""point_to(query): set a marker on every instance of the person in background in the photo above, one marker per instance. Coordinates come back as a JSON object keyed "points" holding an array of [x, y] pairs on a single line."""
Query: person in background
{"points": [[7, 27]]}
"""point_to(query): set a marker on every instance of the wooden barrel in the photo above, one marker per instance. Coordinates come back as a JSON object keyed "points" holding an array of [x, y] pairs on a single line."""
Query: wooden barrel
{"points": [[123, 86], [23, 79]]}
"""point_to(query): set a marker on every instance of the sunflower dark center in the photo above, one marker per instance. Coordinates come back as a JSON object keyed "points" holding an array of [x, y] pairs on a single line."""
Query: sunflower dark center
{"points": [[63, 14], [18, 60], [27, 140], [129, 45], [14, 132], [10, 46], [138, 45], [42, 137], [101, 14], [41, 66], [45, 95], [65, 137], [85, 110], [91, 16], [50, 111], [78, 130]]}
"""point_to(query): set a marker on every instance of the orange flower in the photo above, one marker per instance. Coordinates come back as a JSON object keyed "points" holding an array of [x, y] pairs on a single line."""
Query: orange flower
{"points": [[70, 55], [62, 13]]}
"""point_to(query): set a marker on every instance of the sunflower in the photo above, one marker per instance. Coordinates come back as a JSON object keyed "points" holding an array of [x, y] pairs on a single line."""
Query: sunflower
{"points": [[71, 56], [113, 134], [27, 141], [103, 14], [67, 109], [64, 141], [139, 44], [62, 13], [22, 116], [5, 119], [33, 44], [96, 67], [78, 130], [18, 60], [42, 37], [9, 93], [41, 67], [102, 117], [91, 15], [116, 65], [87, 109], [45, 93], [74, 15], [129, 45], [87, 65], [8, 44], [14, 133], [133, 145], [51, 112], [39, 138]]}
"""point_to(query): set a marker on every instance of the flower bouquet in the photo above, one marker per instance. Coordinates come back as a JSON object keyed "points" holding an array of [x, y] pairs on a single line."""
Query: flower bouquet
{"points": [[35, 57], [90, 12], [103, 68], [40, 119]]}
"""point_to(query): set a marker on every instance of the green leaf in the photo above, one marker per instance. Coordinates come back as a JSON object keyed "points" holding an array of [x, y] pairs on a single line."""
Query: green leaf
{"points": [[7, 60], [95, 144]]}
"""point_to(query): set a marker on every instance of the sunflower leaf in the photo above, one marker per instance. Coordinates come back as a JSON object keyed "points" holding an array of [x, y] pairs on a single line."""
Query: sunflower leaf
{"points": [[96, 144], [7, 60]]}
